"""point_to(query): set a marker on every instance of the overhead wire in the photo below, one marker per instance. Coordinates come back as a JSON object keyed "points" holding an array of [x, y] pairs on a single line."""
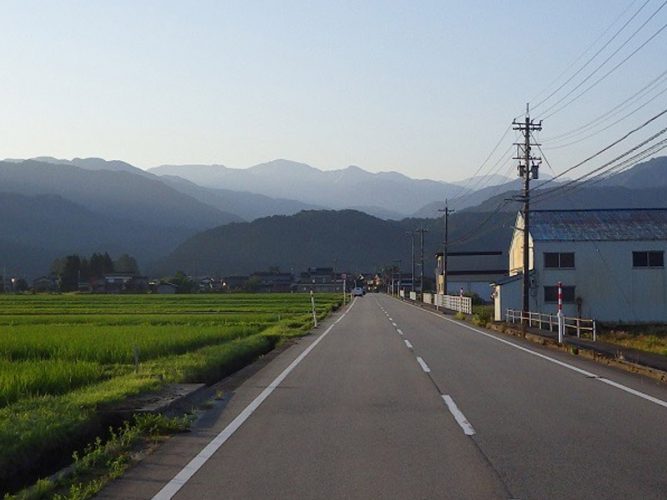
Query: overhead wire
{"points": [[592, 58], [582, 54], [611, 112], [609, 173], [608, 147], [471, 234], [603, 77], [624, 117], [474, 179], [608, 166]]}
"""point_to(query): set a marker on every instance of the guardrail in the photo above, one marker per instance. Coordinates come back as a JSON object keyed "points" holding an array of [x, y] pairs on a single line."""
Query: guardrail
{"points": [[550, 322], [454, 303]]}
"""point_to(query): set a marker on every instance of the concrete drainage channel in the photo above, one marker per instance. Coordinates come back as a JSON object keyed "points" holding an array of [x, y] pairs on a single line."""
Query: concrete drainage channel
{"points": [[630, 360]]}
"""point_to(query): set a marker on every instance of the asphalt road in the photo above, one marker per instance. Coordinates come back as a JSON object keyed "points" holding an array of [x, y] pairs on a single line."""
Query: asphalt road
{"points": [[392, 401]]}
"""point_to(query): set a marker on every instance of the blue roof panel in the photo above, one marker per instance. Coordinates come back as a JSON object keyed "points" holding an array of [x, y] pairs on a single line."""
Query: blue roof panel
{"points": [[599, 225]]}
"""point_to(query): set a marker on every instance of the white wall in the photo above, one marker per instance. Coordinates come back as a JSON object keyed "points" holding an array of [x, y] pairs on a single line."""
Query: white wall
{"points": [[507, 296], [481, 288], [610, 288]]}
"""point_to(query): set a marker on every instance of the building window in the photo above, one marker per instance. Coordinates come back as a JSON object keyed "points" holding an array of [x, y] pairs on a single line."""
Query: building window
{"points": [[551, 294], [559, 260], [648, 259]]}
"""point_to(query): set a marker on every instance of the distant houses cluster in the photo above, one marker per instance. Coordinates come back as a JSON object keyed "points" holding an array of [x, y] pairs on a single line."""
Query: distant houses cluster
{"points": [[317, 279]]}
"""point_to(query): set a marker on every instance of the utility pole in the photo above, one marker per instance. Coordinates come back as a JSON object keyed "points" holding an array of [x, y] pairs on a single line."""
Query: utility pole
{"points": [[412, 240], [445, 244], [421, 232], [528, 169]]}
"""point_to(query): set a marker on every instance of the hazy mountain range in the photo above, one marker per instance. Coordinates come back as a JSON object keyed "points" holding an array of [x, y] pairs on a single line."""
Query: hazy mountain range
{"points": [[392, 192], [217, 216]]}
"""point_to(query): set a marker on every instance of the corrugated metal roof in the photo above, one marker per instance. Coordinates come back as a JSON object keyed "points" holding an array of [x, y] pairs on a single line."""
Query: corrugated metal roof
{"points": [[599, 225]]}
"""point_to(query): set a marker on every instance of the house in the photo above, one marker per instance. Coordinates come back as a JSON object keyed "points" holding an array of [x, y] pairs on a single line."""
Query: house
{"points": [[611, 264], [471, 272], [166, 288], [273, 281], [323, 279], [45, 284], [120, 282], [236, 282]]}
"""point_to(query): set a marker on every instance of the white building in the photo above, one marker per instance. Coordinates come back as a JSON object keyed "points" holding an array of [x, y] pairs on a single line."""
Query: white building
{"points": [[611, 264]]}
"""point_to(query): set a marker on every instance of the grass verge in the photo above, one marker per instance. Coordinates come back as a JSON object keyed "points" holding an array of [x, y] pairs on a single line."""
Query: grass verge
{"points": [[101, 463]]}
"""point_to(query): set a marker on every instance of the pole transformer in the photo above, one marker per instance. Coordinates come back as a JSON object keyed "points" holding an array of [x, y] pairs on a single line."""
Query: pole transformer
{"points": [[528, 169]]}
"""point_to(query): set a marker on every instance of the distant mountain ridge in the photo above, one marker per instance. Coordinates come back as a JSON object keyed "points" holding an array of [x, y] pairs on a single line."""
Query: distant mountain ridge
{"points": [[338, 189], [53, 207], [347, 239], [36, 229], [122, 194]]}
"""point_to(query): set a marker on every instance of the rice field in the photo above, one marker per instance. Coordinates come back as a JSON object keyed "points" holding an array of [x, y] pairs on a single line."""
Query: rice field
{"points": [[63, 357]]}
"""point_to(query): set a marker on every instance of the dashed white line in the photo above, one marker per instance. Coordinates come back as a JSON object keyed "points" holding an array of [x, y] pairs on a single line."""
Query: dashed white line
{"points": [[423, 364], [400, 332], [588, 374], [458, 416], [173, 486], [394, 324], [407, 343]]}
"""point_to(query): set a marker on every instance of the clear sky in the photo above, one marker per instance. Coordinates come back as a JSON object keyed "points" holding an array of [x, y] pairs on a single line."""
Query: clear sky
{"points": [[421, 87]]}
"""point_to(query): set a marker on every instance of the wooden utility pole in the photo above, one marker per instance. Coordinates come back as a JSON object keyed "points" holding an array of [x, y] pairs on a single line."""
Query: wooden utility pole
{"points": [[528, 169], [445, 243]]}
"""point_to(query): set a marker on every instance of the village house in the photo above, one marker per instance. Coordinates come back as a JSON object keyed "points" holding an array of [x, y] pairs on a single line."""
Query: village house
{"points": [[322, 279], [611, 264]]}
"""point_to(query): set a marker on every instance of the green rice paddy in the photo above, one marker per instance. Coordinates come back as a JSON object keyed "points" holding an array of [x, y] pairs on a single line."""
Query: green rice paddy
{"points": [[63, 358]]}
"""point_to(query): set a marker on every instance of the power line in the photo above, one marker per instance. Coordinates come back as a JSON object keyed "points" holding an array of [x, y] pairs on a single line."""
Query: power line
{"points": [[465, 189], [606, 148], [612, 112], [472, 233], [605, 167], [582, 54], [627, 115], [618, 32], [603, 77], [601, 176]]}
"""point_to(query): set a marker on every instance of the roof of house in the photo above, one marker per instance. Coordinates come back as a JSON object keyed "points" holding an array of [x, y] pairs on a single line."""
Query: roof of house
{"points": [[599, 225]]}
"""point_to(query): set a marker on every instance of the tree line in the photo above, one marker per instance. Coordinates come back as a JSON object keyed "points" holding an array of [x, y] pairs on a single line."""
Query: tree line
{"points": [[73, 269]]}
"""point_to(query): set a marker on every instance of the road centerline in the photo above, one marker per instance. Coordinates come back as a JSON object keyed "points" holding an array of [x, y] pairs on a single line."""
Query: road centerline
{"points": [[423, 364], [460, 418], [563, 364]]}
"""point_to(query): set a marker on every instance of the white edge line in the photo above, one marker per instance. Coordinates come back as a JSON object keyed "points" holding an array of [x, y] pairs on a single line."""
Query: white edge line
{"points": [[632, 391], [423, 364], [407, 343], [460, 418], [622, 387], [173, 486]]}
